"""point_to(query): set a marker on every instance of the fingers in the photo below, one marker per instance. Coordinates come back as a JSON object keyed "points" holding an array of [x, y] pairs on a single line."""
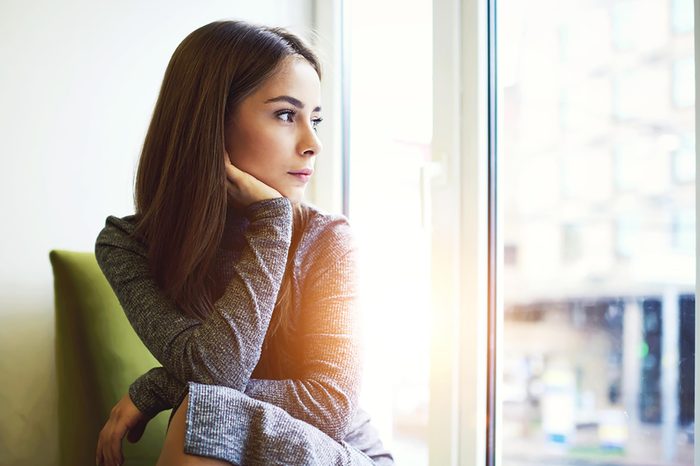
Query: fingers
{"points": [[104, 452], [123, 418], [109, 444], [115, 444], [232, 171], [227, 158]]}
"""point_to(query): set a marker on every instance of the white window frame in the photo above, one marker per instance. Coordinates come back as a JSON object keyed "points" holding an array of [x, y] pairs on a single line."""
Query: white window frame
{"points": [[328, 188], [697, 243], [460, 234]]}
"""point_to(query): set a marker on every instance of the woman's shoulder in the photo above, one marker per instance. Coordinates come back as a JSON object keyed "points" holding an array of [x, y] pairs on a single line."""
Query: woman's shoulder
{"points": [[328, 238], [328, 245], [327, 228], [119, 232], [126, 223]]}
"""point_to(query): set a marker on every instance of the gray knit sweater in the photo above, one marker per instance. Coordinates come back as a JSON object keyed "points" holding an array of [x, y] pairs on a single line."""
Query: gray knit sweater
{"points": [[240, 411]]}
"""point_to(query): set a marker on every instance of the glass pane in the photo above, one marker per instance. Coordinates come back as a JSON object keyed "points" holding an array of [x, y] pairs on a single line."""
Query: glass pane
{"points": [[597, 159], [391, 129]]}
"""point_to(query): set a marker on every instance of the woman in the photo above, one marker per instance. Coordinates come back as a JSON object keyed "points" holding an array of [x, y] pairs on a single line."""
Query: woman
{"points": [[245, 294]]}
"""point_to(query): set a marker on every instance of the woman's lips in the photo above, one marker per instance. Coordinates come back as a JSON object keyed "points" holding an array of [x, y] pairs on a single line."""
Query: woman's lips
{"points": [[301, 176]]}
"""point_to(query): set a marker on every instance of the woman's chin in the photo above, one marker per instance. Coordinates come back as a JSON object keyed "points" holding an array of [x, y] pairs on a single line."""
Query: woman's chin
{"points": [[295, 195]]}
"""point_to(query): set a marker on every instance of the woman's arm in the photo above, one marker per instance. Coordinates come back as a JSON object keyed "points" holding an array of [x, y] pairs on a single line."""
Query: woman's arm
{"points": [[325, 393], [225, 348], [156, 391]]}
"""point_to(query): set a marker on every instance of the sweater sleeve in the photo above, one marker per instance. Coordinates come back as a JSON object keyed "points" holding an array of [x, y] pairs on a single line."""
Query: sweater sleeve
{"points": [[325, 393], [225, 347], [156, 391], [326, 390]]}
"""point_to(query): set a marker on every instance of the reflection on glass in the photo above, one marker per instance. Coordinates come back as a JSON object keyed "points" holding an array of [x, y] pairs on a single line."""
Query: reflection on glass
{"points": [[390, 132], [596, 150]]}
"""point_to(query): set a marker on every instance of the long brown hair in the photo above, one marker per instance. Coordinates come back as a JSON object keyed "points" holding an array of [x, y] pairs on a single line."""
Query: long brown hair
{"points": [[180, 189]]}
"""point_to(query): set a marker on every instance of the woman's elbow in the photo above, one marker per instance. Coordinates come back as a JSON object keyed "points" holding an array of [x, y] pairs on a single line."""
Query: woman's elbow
{"points": [[336, 421]]}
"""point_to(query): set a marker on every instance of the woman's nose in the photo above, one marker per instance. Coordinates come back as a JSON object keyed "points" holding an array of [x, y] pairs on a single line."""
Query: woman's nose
{"points": [[310, 144]]}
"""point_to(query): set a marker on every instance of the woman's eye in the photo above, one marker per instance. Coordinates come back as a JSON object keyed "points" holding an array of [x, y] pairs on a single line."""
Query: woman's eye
{"points": [[287, 113], [288, 116]]}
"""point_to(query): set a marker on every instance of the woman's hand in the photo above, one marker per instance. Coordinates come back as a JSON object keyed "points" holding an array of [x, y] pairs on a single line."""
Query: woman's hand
{"points": [[124, 418], [243, 188]]}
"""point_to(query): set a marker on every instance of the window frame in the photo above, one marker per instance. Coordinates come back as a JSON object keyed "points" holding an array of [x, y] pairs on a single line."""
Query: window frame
{"points": [[463, 244], [697, 243], [328, 189]]}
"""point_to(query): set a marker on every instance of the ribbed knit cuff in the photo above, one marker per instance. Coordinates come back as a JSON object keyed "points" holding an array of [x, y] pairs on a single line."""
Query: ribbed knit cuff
{"points": [[209, 434], [268, 208], [145, 399]]}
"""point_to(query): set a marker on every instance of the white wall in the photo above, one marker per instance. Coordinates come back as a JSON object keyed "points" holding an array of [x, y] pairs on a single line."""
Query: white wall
{"points": [[78, 82]]}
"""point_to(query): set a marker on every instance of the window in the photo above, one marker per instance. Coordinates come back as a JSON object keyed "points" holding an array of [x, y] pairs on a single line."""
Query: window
{"points": [[684, 230], [684, 159], [595, 246], [390, 89], [683, 82], [598, 316], [682, 16]]}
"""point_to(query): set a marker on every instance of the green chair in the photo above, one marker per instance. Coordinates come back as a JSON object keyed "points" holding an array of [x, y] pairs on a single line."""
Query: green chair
{"points": [[98, 355]]}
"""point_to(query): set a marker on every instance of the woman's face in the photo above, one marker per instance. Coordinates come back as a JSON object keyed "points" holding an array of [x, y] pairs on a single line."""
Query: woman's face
{"points": [[273, 131]]}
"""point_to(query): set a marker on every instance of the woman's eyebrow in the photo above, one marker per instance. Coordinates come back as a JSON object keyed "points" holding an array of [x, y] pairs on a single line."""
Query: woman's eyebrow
{"points": [[296, 102]]}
